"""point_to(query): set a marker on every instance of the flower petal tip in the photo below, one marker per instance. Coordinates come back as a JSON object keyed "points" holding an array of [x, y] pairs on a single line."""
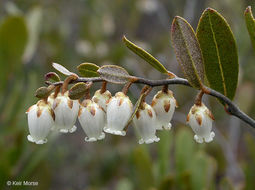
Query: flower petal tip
{"points": [[63, 131], [92, 139], [210, 138], [198, 139], [73, 129], [31, 139], [149, 141], [168, 126], [102, 136], [114, 132]]}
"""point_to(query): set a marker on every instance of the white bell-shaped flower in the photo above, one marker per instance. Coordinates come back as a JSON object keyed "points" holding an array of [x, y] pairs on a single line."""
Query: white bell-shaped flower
{"points": [[119, 110], [66, 112], [200, 119], [92, 119], [102, 98], [145, 122], [164, 105], [40, 121]]}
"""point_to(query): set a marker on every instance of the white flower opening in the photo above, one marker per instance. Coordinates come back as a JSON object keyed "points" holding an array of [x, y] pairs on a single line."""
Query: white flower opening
{"points": [[40, 121], [92, 119], [119, 110], [66, 112], [164, 105], [200, 119], [145, 122]]}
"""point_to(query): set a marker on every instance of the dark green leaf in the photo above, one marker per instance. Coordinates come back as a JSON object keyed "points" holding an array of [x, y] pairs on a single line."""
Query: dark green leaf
{"points": [[52, 76], [219, 52], [13, 40], [77, 91], [61, 69], [203, 169], [88, 70], [164, 152], [145, 55], [43, 92], [135, 109], [167, 183], [114, 74], [143, 168], [33, 20], [250, 24], [187, 51], [184, 150]]}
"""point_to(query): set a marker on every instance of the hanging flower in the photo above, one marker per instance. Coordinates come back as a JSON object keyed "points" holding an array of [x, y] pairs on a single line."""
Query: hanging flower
{"points": [[66, 112], [119, 110], [145, 122], [164, 105], [200, 119], [101, 98], [92, 119], [40, 121]]}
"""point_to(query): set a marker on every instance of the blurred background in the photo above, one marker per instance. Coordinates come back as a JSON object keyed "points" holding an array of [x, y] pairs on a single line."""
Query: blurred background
{"points": [[33, 34]]}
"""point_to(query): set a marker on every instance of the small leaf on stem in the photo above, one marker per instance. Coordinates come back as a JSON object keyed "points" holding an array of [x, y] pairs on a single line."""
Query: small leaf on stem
{"points": [[88, 70], [144, 55], [43, 92], [77, 91], [52, 76], [61, 69], [114, 74], [250, 24], [187, 51], [135, 109]]}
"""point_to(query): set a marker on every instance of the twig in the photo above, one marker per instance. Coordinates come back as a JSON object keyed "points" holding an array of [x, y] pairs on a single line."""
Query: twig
{"points": [[231, 107]]}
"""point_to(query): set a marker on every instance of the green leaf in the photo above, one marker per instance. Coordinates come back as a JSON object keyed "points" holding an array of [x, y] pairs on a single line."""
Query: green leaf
{"points": [[184, 150], [114, 74], [88, 70], [135, 109], [143, 168], [52, 76], [145, 55], [43, 92], [187, 50], [77, 91], [61, 69], [33, 20], [250, 24], [167, 183], [203, 169], [13, 40], [164, 151], [219, 52]]}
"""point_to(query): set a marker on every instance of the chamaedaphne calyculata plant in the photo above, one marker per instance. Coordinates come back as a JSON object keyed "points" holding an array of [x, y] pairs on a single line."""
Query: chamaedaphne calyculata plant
{"points": [[207, 54]]}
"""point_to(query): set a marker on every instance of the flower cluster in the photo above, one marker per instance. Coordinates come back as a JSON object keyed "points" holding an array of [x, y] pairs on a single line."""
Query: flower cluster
{"points": [[106, 114]]}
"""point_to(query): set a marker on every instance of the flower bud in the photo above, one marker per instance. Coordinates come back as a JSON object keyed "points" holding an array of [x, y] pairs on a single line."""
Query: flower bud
{"points": [[92, 119], [119, 110], [66, 112], [164, 105], [200, 119], [40, 121], [101, 98], [145, 122]]}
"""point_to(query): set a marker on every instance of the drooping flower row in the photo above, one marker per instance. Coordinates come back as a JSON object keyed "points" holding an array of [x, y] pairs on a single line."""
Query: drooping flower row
{"points": [[106, 114]]}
